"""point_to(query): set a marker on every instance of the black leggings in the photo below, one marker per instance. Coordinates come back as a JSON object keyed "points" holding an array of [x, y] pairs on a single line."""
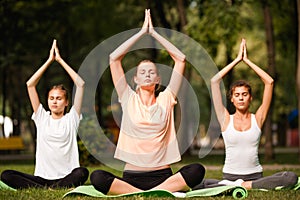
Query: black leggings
{"points": [[281, 179], [19, 180], [192, 174]]}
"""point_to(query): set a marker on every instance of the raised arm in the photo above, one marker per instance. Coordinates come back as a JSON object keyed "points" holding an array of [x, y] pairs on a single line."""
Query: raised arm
{"points": [[176, 55], [268, 81], [33, 81], [117, 55], [221, 111], [76, 79]]}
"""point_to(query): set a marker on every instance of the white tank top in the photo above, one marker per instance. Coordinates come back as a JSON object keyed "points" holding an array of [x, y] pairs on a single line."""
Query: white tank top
{"points": [[242, 149]]}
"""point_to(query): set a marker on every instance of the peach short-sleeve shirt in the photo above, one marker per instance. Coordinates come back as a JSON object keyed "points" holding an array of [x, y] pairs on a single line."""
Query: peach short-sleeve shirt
{"points": [[147, 136]]}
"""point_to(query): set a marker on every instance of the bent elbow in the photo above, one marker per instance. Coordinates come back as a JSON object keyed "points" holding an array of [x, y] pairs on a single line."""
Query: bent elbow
{"points": [[183, 58], [29, 83], [81, 83], [272, 81], [214, 80], [112, 58]]}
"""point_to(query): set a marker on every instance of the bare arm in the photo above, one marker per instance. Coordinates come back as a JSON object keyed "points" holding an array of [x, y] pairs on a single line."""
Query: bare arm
{"points": [[176, 55], [220, 108], [78, 81], [33, 81], [262, 111], [117, 55]]}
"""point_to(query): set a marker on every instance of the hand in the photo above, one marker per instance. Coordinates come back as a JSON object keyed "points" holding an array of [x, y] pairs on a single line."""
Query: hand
{"points": [[52, 52], [240, 55], [145, 27], [56, 51], [151, 28], [245, 56]]}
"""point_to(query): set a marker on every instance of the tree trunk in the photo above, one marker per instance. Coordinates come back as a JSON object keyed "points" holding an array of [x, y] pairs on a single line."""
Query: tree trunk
{"points": [[161, 14], [269, 152], [4, 96], [298, 72], [182, 110]]}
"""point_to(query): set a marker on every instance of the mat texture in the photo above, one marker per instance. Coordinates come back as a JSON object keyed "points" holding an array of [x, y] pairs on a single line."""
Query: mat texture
{"points": [[3, 186], [234, 191]]}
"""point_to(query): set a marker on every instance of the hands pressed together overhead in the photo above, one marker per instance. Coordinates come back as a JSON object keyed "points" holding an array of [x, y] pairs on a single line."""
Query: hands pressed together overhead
{"points": [[147, 26], [54, 52], [242, 55]]}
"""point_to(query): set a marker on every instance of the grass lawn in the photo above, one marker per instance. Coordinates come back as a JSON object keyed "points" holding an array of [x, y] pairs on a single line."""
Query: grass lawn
{"points": [[213, 164]]}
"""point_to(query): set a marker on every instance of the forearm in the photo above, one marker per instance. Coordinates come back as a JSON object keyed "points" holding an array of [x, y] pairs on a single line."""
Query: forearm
{"points": [[174, 52], [78, 81], [218, 77], [265, 77], [124, 48], [34, 79]]}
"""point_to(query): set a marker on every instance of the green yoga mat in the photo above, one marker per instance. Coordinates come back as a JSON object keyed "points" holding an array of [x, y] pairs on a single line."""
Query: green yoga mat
{"points": [[234, 191], [3, 186]]}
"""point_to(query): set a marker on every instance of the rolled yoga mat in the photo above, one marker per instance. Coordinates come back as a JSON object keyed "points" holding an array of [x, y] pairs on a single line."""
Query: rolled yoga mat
{"points": [[3, 186]]}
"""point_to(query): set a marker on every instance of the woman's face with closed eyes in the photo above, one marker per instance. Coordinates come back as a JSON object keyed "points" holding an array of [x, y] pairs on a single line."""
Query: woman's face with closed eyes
{"points": [[147, 75], [241, 98], [57, 101]]}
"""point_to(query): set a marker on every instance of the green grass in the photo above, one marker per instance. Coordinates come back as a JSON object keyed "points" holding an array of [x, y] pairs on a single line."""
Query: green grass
{"points": [[208, 161]]}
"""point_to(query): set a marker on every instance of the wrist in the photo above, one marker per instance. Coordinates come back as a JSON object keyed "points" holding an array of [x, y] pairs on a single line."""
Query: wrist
{"points": [[238, 59], [58, 59], [245, 59]]}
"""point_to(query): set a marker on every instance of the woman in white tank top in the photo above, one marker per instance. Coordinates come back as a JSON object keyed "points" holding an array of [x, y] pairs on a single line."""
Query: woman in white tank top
{"points": [[241, 131]]}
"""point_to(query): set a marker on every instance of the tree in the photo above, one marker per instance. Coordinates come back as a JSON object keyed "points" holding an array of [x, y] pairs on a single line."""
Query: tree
{"points": [[269, 154], [298, 69]]}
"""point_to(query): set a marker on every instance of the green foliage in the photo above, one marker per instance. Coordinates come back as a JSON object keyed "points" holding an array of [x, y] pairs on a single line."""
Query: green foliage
{"points": [[90, 142], [213, 170], [28, 27]]}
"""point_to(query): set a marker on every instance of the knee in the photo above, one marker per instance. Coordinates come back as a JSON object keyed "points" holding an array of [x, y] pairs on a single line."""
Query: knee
{"points": [[6, 174], [291, 178], [81, 172], [102, 180], [193, 174]]}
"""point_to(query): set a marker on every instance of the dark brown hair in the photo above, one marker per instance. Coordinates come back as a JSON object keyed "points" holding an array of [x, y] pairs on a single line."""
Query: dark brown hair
{"points": [[59, 87], [239, 83]]}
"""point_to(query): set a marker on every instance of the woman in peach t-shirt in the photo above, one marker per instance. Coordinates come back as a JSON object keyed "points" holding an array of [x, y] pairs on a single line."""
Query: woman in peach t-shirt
{"points": [[147, 141]]}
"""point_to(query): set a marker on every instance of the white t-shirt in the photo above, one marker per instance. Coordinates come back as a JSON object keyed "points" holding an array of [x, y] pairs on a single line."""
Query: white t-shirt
{"points": [[56, 146], [242, 149], [147, 137]]}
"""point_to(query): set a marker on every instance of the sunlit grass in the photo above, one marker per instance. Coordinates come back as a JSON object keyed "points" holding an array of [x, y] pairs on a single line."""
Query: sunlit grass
{"points": [[213, 164]]}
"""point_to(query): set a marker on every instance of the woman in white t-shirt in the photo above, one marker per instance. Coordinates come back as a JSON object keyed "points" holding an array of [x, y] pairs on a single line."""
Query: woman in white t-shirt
{"points": [[147, 141], [242, 130], [57, 157]]}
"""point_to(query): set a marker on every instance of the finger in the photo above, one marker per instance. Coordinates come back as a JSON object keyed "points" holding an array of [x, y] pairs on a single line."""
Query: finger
{"points": [[53, 45]]}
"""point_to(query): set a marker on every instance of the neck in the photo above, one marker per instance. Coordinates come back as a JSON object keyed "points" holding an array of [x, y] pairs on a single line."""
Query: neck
{"points": [[57, 115], [147, 96], [241, 114]]}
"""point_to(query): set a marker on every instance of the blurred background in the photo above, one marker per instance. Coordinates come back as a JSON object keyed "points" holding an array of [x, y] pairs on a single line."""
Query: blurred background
{"points": [[28, 27]]}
